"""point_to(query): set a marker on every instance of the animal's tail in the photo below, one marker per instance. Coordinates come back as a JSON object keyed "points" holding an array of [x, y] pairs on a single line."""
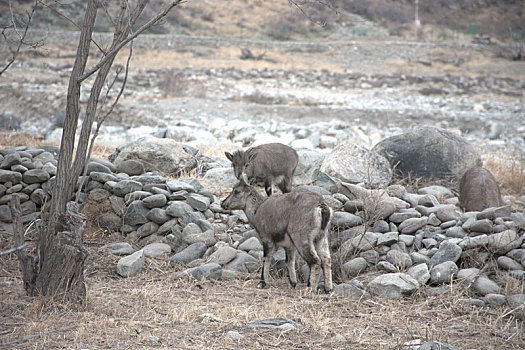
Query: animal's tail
{"points": [[326, 215]]}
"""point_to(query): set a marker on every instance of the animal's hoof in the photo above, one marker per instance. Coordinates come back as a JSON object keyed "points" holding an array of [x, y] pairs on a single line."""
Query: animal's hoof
{"points": [[261, 285], [293, 285]]}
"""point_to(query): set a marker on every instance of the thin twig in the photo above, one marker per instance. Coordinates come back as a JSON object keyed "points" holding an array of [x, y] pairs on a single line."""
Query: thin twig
{"points": [[12, 250], [41, 334], [123, 84], [69, 20], [21, 37], [59, 13], [124, 42], [13, 22], [511, 311]]}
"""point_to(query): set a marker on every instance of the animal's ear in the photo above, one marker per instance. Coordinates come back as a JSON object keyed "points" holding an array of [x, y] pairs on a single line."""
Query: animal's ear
{"points": [[229, 156]]}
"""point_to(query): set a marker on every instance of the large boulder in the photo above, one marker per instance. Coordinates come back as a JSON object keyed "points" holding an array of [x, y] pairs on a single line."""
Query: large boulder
{"points": [[164, 155], [354, 164], [310, 161], [223, 177], [429, 152]]}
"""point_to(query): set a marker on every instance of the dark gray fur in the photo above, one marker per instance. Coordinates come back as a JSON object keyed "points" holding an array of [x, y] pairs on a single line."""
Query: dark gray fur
{"points": [[298, 221], [269, 164], [478, 190]]}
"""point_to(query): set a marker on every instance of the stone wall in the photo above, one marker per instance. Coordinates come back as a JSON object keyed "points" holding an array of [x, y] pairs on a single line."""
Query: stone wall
{"points": [[411, 241]]}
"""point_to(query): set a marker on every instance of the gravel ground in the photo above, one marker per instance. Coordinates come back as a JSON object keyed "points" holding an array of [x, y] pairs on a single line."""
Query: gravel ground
{"points": [[383, 87]]}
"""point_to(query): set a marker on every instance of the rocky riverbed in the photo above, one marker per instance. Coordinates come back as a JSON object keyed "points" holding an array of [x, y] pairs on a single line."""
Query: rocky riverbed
{"points": [[199, 90]]}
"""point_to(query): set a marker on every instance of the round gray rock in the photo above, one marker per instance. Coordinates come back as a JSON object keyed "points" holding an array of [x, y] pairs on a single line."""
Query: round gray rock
{"points": [[355, 164], [443, 272], [164, 155], [393, 285]]}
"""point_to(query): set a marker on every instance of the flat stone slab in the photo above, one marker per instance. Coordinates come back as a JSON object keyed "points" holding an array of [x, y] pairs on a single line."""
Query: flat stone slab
{"points": [[278, 322], [120, 248]]}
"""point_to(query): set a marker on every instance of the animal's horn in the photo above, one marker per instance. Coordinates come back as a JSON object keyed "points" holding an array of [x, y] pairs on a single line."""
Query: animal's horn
{"points": [[244, 178]]}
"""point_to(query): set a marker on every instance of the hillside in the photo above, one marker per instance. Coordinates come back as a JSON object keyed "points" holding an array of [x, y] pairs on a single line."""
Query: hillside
{"points": [[316, 20]]}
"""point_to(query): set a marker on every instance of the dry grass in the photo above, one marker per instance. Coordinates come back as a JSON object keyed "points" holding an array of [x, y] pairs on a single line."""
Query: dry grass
{"points": [[230, 56], [10, 139], [509, 170], [13, 139], [101, 151], [161, 309]]}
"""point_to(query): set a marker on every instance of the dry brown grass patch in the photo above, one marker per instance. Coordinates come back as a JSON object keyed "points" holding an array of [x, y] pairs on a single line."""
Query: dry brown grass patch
{"points": [[13, 139], [101, 150], [159, 308], [509, 171]]}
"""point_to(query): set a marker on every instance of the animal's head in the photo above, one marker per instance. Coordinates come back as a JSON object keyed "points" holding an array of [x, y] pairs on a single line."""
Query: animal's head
{"points": [[239, 194], [238, 162]]}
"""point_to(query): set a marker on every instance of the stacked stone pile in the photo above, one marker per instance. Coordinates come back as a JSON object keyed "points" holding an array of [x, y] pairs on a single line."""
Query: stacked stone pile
{"points": [[28, 173], [407, 242]]}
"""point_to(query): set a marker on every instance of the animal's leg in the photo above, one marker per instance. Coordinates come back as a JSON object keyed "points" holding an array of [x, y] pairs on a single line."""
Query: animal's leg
{"points": [[268, 184], [268, 251], [314, 262], [290, 262], [326, 262], [286, 184]]}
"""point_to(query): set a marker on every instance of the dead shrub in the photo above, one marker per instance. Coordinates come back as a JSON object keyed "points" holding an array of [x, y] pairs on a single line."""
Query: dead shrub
{"points": [[509, 170], [94, 210], [13, 139], [280, 27], [258, 97], [174, 83]]}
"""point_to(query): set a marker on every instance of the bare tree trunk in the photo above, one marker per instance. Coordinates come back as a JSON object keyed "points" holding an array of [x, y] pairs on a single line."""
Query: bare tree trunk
{"points": [[61, 275], [65, 182], [121, 33], [61, 254]]}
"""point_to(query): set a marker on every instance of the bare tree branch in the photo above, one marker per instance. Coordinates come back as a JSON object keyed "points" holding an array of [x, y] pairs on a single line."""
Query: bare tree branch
{"points": [[38, 335], [59, 13], [123, 84], [21, 36], [300, 4], [115, 50], [103, 118], [69, 20], [13, 19], [12, 250]]}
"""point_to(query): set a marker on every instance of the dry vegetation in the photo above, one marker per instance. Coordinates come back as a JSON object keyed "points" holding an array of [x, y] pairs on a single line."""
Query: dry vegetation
{"points": [[159, 308], [509, 170]]}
